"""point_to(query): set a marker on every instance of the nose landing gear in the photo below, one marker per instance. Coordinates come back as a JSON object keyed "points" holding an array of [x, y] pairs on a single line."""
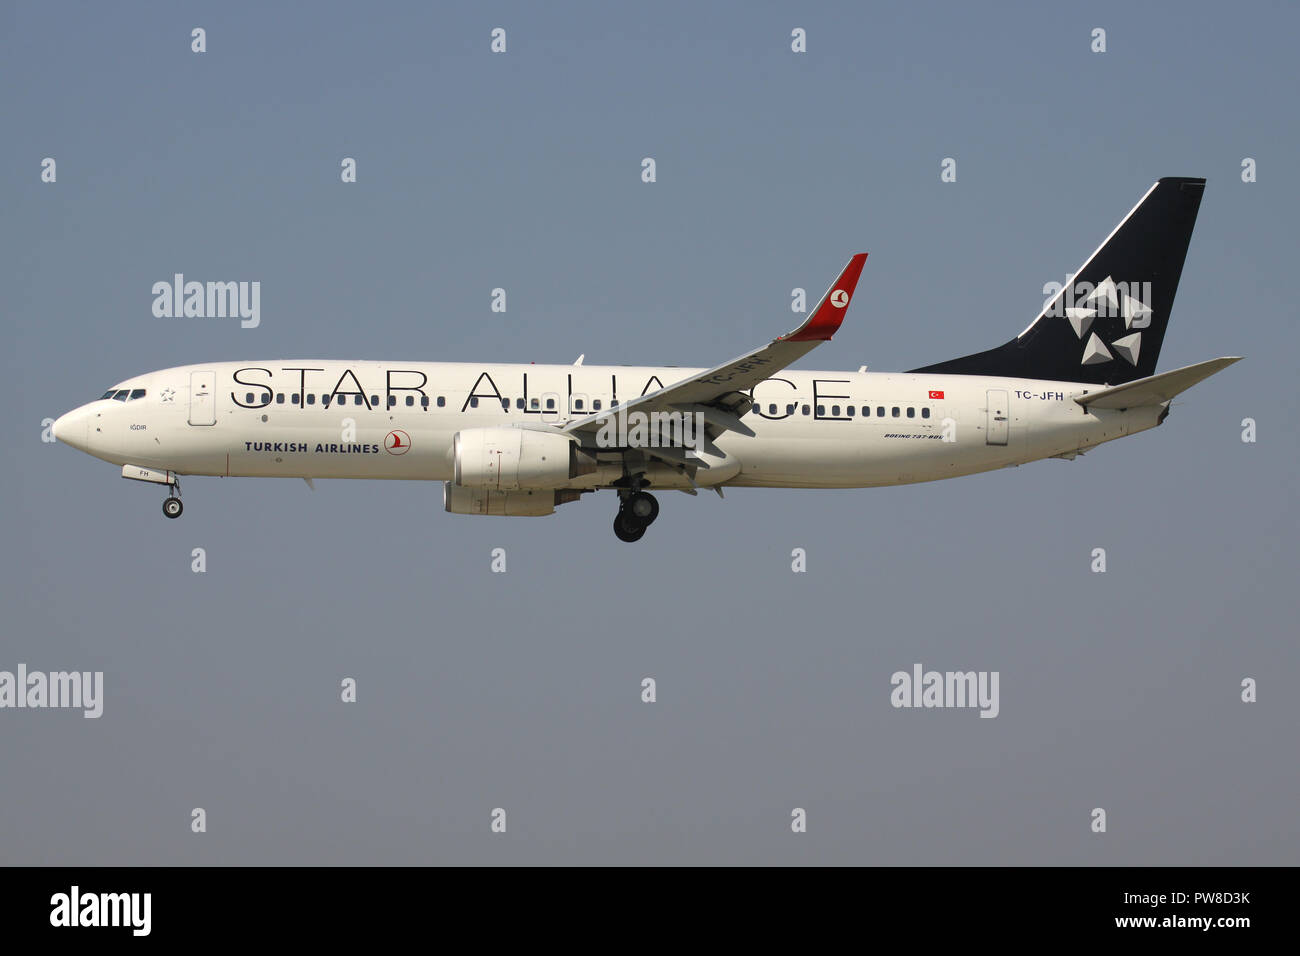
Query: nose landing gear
{"points": [[637, 510], [172, 507]]}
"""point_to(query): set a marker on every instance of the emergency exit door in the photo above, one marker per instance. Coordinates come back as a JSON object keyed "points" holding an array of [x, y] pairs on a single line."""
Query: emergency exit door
{"points": [[203, 403], [999, 417]]}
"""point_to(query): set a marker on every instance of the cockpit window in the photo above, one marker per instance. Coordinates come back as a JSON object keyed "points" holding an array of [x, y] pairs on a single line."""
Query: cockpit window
{"points": [[137, 393], [108, 394], [121, 394]]}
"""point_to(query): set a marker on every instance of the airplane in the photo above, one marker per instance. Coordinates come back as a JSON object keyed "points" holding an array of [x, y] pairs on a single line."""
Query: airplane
{"points": [[520, 440]]}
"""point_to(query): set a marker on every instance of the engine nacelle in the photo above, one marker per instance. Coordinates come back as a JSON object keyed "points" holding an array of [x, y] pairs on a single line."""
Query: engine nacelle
{"points": [[485, 501], [511, 459]]}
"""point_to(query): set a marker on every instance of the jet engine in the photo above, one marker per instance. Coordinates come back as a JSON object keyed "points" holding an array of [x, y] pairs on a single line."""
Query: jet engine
{"points": [[511, 459], [484, 501]]}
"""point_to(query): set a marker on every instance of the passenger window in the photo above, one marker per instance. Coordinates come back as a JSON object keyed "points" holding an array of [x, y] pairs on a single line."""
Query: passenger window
{"points": [[895, 411], [392, 400], [925, 413], [325, 400], [248, 399], [595, 404], [821, 410], [374, 401], [279, 398], [771, 408], [550, 404], [442, 401], [789, 409], [805, 409], [866, 411], [294, 398], [880, 411], [519, 402], [473, 402], [851, 409], [835, 411], [577, 404], [410, 401], [911, 412], [137, 393], [505, 404], [533, 403], [424, 401], [311, 398]]}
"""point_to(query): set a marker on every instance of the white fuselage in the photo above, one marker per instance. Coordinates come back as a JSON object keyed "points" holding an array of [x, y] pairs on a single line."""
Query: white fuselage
{"points": [[330, 419]]}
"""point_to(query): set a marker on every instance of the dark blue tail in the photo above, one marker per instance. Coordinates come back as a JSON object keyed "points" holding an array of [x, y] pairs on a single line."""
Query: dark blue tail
{"points": [[1107, 324]]}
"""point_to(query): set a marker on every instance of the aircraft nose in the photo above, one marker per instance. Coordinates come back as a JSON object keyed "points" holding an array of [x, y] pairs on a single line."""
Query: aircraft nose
{"points": [[71, 429]]}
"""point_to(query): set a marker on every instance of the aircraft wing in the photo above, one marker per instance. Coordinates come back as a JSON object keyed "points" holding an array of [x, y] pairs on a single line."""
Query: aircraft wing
{"points": [[1155, 389], [719, 393]]}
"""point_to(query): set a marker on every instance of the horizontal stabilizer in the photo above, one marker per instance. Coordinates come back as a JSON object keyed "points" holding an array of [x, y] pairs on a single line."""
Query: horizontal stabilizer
{"points": [[1155, 389]]}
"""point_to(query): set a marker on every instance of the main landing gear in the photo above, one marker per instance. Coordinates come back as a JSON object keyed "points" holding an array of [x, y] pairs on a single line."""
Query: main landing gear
{"points": [[637, 511], [172, 507]]}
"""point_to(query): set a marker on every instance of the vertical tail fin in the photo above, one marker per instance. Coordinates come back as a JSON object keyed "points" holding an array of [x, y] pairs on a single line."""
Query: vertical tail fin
{"points": [[1107, 324]]}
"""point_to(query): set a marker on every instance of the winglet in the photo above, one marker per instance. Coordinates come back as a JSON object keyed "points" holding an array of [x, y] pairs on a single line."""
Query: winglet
{"points": [[826, 318]]}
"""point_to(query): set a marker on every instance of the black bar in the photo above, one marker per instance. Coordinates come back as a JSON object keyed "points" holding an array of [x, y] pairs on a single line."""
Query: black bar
{"points": [[374, 904]]}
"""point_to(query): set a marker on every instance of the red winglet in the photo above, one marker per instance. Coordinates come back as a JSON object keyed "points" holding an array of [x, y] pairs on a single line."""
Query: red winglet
{"points": [[826, 318]]}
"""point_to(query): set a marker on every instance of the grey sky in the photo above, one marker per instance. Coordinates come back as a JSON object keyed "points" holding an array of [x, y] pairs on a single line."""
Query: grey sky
{"points": [[522, 690]]}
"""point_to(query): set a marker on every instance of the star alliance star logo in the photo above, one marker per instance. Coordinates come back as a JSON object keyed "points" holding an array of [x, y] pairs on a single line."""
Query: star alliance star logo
{"points": [[1109, 299], [168, 395]]}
